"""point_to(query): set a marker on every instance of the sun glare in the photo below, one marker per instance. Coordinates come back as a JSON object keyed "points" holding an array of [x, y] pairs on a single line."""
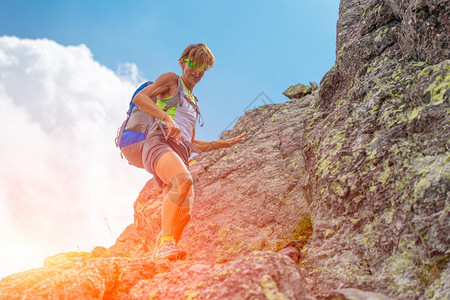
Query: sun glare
{"points": [[20, 255]]}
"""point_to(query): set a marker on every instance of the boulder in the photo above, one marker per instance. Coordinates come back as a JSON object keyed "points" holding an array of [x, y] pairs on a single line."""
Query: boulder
{"points": [[259, 275], [298, 91]]}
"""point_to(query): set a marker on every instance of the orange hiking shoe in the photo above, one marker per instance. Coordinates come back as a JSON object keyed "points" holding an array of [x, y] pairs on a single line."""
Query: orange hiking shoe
{"points": [[169, 251]]}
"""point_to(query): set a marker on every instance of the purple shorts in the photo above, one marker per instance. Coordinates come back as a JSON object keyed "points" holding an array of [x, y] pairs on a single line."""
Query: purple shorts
{"points": [[154, 147]]}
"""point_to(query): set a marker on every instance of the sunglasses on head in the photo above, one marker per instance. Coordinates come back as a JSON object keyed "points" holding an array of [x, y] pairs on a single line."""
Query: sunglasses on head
{"points": [[194, 65]]}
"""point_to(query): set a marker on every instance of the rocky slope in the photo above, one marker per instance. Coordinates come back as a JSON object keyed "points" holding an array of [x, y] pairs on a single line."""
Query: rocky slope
{"points": [[343, 193]]}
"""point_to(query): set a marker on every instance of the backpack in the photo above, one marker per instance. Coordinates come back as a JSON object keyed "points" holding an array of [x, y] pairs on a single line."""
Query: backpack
{"points": [[138, 124]]}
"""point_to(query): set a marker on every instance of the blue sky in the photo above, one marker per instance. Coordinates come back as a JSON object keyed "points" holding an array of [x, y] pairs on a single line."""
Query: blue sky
{"points": [[63, 185], [260, 46]]}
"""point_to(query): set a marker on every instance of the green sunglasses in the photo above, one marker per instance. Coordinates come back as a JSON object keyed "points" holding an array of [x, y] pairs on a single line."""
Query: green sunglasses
{"points": [[194, 65]]}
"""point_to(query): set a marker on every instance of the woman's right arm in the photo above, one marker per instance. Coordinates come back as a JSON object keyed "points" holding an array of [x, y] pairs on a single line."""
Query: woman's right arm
{"points": [[163, 87]]}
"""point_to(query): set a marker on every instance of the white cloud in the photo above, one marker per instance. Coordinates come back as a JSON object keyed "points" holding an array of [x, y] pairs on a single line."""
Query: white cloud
{"points": [[62, 180]]}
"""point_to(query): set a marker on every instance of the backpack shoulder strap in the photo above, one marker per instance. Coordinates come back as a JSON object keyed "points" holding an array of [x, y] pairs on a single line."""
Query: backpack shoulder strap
{"points": [[176, 97], [193, 103]]}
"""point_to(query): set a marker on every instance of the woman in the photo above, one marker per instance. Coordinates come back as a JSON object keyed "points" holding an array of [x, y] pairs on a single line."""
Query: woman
{"points": [[166, 151]]}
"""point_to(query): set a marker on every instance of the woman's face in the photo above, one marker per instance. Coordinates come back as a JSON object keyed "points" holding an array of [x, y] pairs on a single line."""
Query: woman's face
{"points": [[192, 73]]}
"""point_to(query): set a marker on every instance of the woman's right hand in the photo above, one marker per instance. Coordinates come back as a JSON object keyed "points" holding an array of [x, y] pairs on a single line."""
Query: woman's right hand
{"points": [[172, 129]]}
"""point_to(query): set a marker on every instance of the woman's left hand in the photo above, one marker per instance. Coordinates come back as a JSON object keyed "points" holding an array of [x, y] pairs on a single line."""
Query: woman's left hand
{"points": [[236, 140]]}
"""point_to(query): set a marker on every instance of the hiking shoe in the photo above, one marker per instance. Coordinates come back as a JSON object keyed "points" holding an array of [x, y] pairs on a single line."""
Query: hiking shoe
{"points": [[170, 251]]}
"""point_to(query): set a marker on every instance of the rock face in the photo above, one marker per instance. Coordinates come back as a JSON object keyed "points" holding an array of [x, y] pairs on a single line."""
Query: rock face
{"points": [[343, 193], [378, 153]]}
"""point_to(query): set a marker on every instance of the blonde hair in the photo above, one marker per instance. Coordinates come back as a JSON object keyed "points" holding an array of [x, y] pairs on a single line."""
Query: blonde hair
{"points": [[199, 53]]}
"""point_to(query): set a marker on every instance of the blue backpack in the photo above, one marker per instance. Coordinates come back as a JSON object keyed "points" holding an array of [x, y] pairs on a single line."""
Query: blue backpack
{"points": [[138, 124]]}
